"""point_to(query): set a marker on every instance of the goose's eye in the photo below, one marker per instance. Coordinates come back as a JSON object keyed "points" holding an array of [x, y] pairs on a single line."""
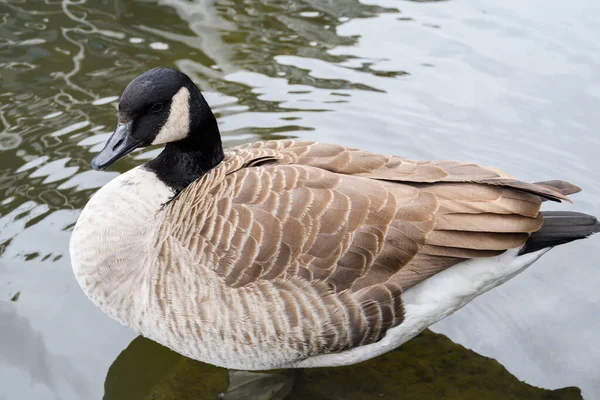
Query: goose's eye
{"points": [[157, 107]]}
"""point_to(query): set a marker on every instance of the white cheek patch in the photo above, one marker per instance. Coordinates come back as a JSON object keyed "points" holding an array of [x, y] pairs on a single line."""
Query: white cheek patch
{"points": [[178, 124]]}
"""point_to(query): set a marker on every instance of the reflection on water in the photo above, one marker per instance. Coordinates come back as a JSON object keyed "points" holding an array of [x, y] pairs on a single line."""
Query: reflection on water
{"points": [[429, 367], [513, 85], [24, 348]]}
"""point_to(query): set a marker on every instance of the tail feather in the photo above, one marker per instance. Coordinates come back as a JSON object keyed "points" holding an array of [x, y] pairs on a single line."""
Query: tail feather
{"points": [[561, 227], [563, 187]]}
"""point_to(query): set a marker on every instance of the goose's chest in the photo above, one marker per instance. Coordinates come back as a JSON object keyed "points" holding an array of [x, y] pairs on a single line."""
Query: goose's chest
{"points": [[112, 241]]}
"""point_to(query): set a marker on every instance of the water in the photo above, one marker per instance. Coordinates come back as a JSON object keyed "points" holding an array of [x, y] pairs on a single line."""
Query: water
{"points": [[510, 84]]}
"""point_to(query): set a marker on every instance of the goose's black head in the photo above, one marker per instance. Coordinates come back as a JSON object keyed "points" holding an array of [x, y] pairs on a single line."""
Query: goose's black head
{"points": [[164, 106]]}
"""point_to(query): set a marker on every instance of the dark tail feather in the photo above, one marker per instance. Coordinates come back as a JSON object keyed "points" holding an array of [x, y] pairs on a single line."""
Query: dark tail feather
{"points": [[561, 227]]}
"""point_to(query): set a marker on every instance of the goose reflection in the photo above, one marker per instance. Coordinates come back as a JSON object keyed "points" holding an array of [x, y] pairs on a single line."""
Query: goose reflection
{"points": [[430, 366]]}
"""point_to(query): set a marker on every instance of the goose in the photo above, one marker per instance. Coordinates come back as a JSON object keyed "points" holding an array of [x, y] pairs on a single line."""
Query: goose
{"points": [[294, 254]]}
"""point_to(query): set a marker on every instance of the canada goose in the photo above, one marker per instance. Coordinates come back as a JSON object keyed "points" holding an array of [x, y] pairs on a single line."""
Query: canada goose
{"points": [[294, 254]]}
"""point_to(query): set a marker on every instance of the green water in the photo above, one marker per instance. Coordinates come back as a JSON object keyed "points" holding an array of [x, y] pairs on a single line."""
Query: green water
{"points": [[510, 84]]}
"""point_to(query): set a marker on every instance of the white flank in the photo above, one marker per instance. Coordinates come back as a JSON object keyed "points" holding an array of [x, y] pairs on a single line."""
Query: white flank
{"points": [[433, 299], [178, 123]]}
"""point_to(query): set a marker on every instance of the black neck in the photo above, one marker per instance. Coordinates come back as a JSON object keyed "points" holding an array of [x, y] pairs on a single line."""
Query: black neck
{"points": [[184, 161]]}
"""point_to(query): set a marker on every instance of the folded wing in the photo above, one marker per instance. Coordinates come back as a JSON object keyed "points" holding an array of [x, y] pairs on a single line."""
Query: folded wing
{"points": [[353, 229]]}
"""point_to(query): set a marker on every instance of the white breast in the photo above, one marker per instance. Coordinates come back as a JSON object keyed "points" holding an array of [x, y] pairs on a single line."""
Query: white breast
{"points": [[112, 239]]}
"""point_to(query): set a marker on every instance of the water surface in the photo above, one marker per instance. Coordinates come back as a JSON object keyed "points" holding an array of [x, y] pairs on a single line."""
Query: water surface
{"points": [[510, 84]]}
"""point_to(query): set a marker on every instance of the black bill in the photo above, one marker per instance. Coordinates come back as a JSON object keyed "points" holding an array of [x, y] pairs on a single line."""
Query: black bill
{"points": [[118, 145]]}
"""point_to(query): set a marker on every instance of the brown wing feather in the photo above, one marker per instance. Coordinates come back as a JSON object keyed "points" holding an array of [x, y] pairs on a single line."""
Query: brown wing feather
{"points": [[353, 228], [344, 160]]}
